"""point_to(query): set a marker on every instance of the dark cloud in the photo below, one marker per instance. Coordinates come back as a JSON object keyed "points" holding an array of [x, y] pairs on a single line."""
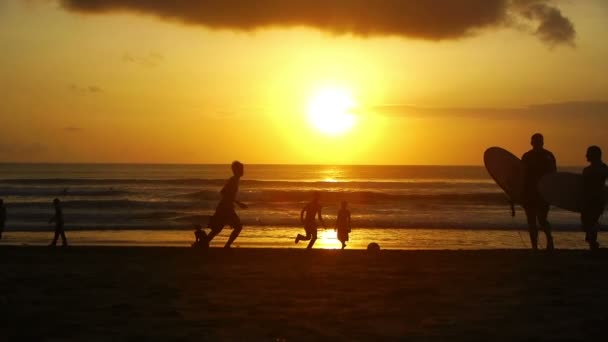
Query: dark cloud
{"points": [[553, 27], [551, 111], [150, 60], [92, 89], [72, 129], [429, 19]]}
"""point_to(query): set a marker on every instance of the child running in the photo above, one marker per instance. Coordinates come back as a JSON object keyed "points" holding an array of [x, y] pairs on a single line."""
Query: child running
{"points": [[343, 224], [224, 213], [311, 210]]}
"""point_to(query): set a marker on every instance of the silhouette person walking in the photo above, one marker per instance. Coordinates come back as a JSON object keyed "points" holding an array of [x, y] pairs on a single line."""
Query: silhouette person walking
{"points": [[594, 180], [307, 217], [57, 218], [224, 212], [343, 224], [2, 217], [537, 163]]}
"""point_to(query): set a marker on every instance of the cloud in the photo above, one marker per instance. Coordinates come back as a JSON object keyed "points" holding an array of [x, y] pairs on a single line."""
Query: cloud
{"points": [[429, 20], [150, 60], [554, 27], [549, 111], [92, 89]]}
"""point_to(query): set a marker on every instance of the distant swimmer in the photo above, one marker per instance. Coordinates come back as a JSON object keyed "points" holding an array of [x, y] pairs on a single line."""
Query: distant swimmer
{"points": [[594, 200], [57, 218], [343, 224], [537, 162], [224, 212], [2, 217], [308, 218]]}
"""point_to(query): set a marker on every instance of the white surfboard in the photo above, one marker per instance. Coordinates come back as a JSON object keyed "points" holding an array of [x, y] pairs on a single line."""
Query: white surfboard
{"points": [[506, 170]]}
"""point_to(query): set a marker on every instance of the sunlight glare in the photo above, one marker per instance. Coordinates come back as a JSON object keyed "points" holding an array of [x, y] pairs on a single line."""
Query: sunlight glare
{"points": [[329, 111]]}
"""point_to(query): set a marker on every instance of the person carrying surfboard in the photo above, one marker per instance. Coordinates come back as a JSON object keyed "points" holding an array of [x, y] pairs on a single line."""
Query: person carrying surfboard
{"points": [[537, 162], [224, 212], [594, 201]]}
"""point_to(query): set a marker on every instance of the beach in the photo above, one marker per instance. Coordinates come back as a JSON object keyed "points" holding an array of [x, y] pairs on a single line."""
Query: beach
{"points": [[182, 294]]}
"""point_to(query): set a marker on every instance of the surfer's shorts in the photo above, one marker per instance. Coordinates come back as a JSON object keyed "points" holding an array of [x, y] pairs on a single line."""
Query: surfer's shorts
{"points": [[591, 216], [310, 228], [342, 235], [534, 205], [222, 218]]}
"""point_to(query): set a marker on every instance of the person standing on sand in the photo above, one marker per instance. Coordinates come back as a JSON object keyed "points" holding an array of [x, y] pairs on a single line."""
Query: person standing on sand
{"points": [[311, 210], [2, 217], [58, 220], [594, 201], [537, 162], [343, 224], [224, 212]]}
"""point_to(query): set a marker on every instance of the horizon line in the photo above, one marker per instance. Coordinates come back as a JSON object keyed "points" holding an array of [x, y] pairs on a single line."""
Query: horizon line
{"points": [[250, 164]]}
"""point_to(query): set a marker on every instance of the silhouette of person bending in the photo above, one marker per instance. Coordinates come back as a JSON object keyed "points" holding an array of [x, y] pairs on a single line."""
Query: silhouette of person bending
{"points": [[343, 224], [58, 220], [311, 210], [537, 162], [2, 217], [594, 180], [200, 237], [224, 212]]}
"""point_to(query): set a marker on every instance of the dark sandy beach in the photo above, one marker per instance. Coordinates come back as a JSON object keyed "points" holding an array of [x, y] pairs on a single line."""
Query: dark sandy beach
{"points": [[179, 294]]}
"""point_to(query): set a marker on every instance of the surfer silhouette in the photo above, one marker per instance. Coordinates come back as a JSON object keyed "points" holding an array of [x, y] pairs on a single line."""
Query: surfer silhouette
{"points": [[594, 180], [308, 218], [2, 217], [58, 220], [343, 224], [537, 162], [224, 212]]}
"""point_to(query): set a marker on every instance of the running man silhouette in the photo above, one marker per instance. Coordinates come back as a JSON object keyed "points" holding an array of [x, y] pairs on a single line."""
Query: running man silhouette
{"points": [[58, 220], [2, 217], [594, 180], [311, 210], [537, 163], [343, 224], [224, 212]]}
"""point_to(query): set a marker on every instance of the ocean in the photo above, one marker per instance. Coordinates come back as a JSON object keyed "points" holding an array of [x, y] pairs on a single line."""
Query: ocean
{"points": [[444, 206]]}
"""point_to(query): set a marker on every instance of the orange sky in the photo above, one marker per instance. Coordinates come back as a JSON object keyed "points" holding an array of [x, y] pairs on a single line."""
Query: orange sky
{"points": [[123, 85]]}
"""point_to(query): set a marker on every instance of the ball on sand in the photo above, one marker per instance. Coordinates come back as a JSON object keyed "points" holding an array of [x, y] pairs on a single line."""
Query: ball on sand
{"points": [[373, 247]]}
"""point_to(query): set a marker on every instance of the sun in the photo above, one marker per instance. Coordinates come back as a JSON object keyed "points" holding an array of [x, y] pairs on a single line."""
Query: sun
{"points": [[330, 111]]}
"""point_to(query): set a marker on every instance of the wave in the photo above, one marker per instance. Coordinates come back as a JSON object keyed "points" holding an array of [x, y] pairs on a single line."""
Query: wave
{"points": [[50, 192], [188, 223], [272, 196], [418, 183]]}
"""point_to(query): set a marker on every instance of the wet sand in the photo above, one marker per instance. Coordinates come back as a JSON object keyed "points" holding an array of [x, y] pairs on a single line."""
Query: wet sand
{"points": [[180, 294]]}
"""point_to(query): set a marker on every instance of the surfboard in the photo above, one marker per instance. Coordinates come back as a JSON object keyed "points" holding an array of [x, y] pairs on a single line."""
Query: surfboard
{"points": [[564, 190], [506, 170]]}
